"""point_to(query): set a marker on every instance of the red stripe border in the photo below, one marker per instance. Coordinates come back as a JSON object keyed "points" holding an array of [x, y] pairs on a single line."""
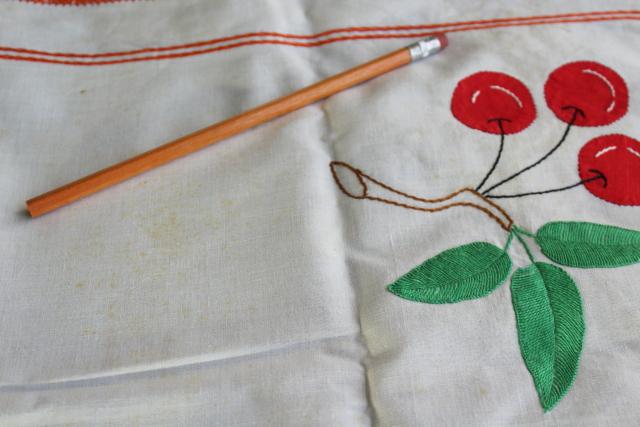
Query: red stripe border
{"points": [[74, 2], [304, 40]]}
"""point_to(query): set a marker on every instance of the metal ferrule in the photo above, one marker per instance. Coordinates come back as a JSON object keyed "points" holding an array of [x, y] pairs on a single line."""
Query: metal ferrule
{"points": [[424, 48]]}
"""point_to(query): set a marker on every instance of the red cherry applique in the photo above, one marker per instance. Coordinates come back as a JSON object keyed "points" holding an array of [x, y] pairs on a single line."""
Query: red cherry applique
{"points": [[594, 93], [617, 158], [489, 101]]}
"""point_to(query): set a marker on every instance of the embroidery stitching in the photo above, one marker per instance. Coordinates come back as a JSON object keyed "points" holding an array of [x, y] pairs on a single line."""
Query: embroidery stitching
{"points": [[576, 112], [615, 157], [505, 222], [467, 272], [74, 2], [550, 324], [493, 102], [546, 301], [307, 41], [596, 90]]}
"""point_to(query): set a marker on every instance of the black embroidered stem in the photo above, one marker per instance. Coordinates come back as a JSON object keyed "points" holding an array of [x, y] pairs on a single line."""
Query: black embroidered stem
{"points": [[497, 160], [576, 111], [599, 175]]}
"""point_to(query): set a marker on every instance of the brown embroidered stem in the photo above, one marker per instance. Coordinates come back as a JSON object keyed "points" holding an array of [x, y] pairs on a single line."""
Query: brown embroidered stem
{"points": [[489, 209]]}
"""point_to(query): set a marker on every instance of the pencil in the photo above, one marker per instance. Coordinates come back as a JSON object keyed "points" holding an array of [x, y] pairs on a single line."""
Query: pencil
{"points": [[119, 172]]}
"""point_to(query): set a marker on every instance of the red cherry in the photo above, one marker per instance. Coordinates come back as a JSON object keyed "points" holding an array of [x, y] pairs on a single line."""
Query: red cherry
{"points": [[594, 93], [488, 100], [616, 158]]}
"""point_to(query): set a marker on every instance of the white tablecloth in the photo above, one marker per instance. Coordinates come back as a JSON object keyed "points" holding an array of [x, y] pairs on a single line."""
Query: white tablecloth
{"points": [[239, 286]]}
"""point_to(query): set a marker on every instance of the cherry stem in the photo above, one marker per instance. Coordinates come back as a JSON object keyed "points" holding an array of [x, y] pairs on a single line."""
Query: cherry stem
{"points": [[517, 229], [509, 238], [437, 204], [599, 175], [576, 111], [524, 245], [497, 160]]}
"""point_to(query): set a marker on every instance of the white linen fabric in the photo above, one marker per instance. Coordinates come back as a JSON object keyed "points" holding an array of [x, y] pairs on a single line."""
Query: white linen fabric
{"points": [[239, 286]]}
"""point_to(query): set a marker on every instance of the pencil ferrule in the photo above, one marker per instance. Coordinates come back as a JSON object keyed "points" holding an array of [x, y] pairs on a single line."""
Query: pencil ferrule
{"points": [[424, 48]]}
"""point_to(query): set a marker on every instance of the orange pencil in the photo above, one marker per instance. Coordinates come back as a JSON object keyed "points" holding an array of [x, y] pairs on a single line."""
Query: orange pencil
{"points": [[119, 172]]}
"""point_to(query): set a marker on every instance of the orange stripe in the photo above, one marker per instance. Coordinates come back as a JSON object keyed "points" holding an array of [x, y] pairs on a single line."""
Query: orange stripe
{"points": [[318, 35], [453, 27], [73, 2]]}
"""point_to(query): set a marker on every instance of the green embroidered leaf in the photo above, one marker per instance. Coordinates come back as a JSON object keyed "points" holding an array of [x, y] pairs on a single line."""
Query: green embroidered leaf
{"points": [[550, 328], [466, 272], [585, 244]]}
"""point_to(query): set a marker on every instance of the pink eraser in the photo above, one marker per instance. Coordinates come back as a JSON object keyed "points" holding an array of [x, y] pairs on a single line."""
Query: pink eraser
{"points": [[444, 41]]}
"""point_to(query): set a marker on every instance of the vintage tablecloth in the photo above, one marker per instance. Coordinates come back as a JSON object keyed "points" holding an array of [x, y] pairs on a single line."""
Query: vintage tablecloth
{"points": [[239, 286]]}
